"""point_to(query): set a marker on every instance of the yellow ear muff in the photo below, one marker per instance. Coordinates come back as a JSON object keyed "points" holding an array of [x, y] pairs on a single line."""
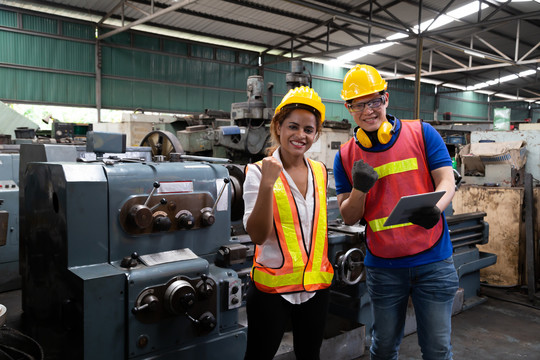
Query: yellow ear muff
{"points": [[363, 139], [384, 135]]}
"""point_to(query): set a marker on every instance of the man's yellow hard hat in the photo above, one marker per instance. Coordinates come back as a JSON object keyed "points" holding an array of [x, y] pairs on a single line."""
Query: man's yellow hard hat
{"points": [[362, 80]]}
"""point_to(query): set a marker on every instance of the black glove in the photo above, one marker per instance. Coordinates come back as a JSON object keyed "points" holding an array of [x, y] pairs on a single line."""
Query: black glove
{"points": [[363, 176], [426, 217]]}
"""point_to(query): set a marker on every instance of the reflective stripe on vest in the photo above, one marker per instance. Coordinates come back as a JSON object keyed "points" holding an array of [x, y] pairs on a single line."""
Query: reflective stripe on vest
{"points": [[402, 170], [301, 271], [391, 168]]}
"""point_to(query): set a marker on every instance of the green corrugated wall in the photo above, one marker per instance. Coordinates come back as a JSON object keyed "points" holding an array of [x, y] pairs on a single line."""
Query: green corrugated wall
{"points": [[51, 60]]}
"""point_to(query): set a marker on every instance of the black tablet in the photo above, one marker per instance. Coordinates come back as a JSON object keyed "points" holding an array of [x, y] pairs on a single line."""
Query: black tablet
{"points": [[409, 204]]}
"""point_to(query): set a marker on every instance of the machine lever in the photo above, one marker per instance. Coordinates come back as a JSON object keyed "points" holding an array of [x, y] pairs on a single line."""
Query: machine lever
{"points": [[130, 261], [149, 303], [206, 289], [225, 182], [207, 217], [193, 320], [161, 202], [156, 186]]}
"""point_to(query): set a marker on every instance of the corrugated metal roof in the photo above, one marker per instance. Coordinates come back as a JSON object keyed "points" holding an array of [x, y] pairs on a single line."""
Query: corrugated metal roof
{"points": [[279, 24]]}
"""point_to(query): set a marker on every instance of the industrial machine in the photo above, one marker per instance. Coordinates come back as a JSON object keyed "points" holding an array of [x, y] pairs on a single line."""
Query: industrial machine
{"points": [[69, 132], [120, 259], [244, 134], [9, 218], [466, 232]]}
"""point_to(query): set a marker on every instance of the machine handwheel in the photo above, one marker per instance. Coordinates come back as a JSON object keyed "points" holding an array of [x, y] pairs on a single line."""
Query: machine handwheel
{"points": [[162, 143], [350, 266]]}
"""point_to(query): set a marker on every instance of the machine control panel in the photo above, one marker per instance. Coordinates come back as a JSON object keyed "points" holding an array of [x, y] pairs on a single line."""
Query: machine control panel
{"points": [[194, 298], [168, 212], [234, 295], [8, 185]]}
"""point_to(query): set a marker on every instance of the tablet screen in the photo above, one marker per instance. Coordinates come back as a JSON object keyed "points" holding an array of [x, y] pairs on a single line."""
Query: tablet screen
{"points": [[407, 205]]}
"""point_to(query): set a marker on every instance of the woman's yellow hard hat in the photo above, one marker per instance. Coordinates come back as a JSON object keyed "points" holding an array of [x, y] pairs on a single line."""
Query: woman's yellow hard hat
{"points": [[362, 80], [303, 95]]}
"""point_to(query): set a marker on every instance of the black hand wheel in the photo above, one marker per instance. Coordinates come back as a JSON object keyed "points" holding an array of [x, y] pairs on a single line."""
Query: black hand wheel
{"points": [[350, 267]]}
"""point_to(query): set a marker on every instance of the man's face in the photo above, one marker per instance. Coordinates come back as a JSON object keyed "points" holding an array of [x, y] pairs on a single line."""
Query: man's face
{"points": [[368, 111]]}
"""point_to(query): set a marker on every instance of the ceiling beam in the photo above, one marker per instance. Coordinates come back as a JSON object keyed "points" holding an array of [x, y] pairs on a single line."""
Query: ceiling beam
{"points": [[346, 16], [146, 19]]}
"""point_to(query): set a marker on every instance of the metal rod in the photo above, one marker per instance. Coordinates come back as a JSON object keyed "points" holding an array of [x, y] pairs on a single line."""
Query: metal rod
{"points": [[225, 182], [466, 229], [530, 251], [418, 77], [205, 158], [147, 18]]}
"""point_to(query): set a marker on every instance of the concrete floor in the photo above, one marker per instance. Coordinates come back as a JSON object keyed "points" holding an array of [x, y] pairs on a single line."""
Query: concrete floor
{"points": [[505, 326]]}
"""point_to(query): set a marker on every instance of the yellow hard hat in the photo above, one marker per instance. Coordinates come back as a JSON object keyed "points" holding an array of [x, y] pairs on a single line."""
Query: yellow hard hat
{"points": [[362, 80], [303, 95]]}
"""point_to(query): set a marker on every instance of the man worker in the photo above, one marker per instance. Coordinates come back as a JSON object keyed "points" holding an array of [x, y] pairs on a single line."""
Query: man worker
{"points": [[388, 158]]}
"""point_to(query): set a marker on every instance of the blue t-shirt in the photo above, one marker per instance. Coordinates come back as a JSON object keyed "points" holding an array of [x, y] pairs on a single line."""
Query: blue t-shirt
{"points": [[437, 156]]}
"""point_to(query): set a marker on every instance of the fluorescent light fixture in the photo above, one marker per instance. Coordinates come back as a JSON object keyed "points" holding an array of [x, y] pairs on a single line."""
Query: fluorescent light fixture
{"points": [[474, 53], [455, 86], [508, 78], [478, 86], [527, 73], [397, 36], [506, 96], [501, 80], [363, 51], [486, 92]]}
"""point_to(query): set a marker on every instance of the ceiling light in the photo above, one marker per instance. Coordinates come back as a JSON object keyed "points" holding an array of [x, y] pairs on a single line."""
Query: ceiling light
{"points": [[474, 53], [527, 73], [397, 36], [508, 78], [363, 51], [506, 96]]}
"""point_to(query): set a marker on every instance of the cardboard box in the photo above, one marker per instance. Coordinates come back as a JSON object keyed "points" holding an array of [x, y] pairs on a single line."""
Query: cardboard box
{"points": [[475, 156]]}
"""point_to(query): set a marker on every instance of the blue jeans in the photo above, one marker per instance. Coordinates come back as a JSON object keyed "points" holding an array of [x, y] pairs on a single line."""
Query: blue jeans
{"points": [[432, 288]]}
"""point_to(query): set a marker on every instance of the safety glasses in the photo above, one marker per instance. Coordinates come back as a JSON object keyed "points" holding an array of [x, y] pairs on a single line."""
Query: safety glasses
{"points": [[360, 106]]}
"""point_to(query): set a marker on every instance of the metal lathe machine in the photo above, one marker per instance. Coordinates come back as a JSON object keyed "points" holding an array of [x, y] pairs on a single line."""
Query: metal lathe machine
{"points": [[118, 259]]}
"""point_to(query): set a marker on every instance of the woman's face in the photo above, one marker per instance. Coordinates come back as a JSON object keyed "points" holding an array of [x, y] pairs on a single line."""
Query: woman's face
{"points": [[297, 132]]}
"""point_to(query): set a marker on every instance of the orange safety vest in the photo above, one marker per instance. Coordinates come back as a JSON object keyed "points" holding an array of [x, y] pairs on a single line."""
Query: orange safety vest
{"points": [[403, 170], [302, 270]]}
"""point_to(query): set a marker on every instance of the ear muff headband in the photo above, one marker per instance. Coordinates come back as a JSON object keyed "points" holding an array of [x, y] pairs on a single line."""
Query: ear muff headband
{"points": [[384, 134]]}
